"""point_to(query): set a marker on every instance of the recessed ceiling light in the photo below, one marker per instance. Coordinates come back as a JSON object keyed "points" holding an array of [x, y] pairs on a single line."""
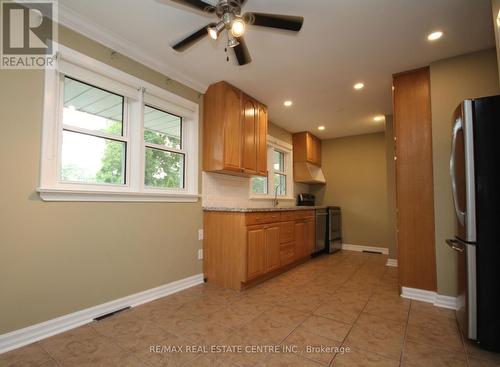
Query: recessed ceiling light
{"points": [[379, 118], [359, 86], [434, 36], [288, 103], [321, 128]]}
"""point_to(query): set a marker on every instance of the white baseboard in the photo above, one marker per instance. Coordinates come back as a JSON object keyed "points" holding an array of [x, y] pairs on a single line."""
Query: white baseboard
{"points": [[392, 263], [437, 300], [382, 250], [31, 334]]}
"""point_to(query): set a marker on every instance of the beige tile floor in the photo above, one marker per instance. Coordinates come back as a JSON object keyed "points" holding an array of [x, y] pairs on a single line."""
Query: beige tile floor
{"points": [[346, 300]]}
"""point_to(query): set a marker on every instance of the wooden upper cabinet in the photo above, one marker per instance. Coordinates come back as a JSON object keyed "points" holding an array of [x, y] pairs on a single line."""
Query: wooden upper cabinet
{"points": [[262, 142], [307, 148], [234, 132], [414, 180], [250, 135]]}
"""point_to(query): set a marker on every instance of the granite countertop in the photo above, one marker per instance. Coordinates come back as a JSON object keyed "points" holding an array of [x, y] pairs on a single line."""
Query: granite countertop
{"points": [[251, 210]]}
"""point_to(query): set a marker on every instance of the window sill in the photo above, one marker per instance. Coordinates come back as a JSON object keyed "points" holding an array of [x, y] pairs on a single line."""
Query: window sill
{"points": [[115, 196], [280, 198]]}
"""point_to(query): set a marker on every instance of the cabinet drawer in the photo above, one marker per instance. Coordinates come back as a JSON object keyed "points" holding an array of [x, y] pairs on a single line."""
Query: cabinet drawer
{"points": [[288, 216], [261, 218], [286, 231], [303, 214], [287, 254]]}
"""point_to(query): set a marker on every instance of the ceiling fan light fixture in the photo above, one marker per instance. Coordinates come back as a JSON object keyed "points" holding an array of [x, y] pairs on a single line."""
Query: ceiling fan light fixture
{"points": [[214, 32], [238, 27]]}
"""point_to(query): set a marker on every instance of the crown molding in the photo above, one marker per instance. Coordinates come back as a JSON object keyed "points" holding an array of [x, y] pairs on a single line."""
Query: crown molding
{"points": [[80, 24]]}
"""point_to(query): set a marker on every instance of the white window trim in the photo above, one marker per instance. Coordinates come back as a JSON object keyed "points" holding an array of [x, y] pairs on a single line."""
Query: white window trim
{"points": [[272, 144], [73, 63]]}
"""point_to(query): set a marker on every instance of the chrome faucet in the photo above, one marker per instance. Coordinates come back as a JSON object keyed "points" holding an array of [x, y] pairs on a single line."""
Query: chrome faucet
{"points": [[275, 201]]}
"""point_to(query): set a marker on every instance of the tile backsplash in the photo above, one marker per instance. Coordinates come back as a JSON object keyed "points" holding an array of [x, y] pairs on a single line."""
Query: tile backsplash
{"points": [[226, 191]]}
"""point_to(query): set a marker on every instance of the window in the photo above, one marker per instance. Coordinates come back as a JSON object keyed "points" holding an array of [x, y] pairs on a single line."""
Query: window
{"points": [[279, 174], [108, 136], [93, 142], [164, 155], [259, 185]]}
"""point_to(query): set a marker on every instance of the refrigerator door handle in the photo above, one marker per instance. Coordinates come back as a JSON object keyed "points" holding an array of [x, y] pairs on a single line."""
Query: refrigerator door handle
{"points": [[456, 128], [456, 245]]}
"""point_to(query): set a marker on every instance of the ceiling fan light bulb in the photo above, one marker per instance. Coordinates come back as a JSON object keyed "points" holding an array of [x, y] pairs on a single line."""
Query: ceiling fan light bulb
{"points": [[238, 27], [213, 33]]}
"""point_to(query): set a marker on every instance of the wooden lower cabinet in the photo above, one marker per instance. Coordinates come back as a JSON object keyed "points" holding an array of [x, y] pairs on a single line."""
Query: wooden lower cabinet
{"points": [[305, 234], [287, 253], [300, 238], [263, 250], [256, 252], [237, 251], [310, 235], [273, 248]]}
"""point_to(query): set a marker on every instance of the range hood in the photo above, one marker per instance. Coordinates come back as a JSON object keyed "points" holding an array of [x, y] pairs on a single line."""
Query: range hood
{"points": [[308, 173]]}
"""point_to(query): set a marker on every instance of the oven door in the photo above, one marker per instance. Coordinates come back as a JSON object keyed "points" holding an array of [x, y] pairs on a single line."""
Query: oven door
{"points": [[321, 230]]}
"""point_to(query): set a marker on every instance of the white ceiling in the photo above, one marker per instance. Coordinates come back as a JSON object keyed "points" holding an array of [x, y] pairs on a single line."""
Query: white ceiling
{"points": [[341, 42]]}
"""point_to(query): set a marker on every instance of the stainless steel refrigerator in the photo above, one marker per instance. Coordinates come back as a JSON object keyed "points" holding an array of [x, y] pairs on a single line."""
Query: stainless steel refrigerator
{"points": [[475, 180]]}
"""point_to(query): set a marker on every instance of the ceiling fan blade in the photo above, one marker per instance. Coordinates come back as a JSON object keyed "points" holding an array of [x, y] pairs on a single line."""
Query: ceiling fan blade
{"points": [[192, 39], [288, 22], [197, 4], [241, 52]]}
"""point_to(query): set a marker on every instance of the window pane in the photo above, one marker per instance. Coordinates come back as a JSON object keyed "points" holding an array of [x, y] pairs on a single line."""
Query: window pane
{"points": [[162, 128], [280, 184], [92, 108], [164, 169], [279, 161], [259, 185], [90, 159]]}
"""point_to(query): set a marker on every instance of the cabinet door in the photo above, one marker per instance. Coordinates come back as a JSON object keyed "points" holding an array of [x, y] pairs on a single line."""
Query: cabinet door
{"points": [[310, 236], [317, 151], [262, 142], [250, 147], [313, 149], [256, 249], [273, 248], [309, 148], [232, 129], [300, 239], [414, 182]]}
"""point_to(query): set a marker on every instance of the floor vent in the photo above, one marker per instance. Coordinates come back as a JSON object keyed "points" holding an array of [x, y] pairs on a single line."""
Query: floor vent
{"points": [[111, 314], [372, 252]]}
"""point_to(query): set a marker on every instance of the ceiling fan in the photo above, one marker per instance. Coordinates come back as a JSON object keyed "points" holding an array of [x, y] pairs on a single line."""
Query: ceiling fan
{"points": [[234, 24]]}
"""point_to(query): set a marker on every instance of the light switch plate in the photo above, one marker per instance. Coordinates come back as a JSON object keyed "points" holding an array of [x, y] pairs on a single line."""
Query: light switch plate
{"points": [[200, 254], [200, 234]]}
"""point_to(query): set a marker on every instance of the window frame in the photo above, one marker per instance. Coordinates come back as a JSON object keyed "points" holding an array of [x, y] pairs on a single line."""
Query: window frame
{"points": [[137, 93], [287, 149]]}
